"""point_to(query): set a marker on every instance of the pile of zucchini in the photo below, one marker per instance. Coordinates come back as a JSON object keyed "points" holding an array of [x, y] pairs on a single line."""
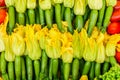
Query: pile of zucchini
{"points": [[57, 39]]}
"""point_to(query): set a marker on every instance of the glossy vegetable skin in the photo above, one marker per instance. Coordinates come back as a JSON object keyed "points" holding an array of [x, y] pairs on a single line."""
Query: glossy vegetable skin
{"points": [[115, 15], [2, 15], [2, 3], [108, 14], [117, 56], [117, 6], [113, 28]]}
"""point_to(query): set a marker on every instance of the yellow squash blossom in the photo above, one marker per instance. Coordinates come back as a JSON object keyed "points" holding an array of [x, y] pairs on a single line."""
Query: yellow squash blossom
{"points": [[90, 50], [33, 48], [111, 45], [9, 3], [67, 49], [111, 2], [42, 37], [21, 5], [18, 44], [9, 55], [77, 45], [56, 1], [3, 34], [53, 43], [68, 3], [45, 4], [79, 7], [101, 49], [95, 4], [31, 4], [84, 77]]}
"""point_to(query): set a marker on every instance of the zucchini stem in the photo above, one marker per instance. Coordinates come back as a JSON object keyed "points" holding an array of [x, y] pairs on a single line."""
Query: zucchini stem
{"points": [[66, 71], [31, 16], [58, 16], [48, 18]]}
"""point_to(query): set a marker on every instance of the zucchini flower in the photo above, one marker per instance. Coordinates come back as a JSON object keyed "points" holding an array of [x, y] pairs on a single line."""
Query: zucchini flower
{"points": [[111, 48], [95, 4], [68, 3], [20, 30], [79, 10], [45, 4], [53, 43], [111, 45], [66, 53], [95, 33], [42, 37], [10, 3], [9, 55], [111, 2], [101, 49], [18, 44], [3, 34], [31, 4], [33, 48], [2, 45], [84, 77], [67, 49], [90, 50], [83, 37], [77, 45], [56, 1], [20, 6], [101, 53], [79, 7]]}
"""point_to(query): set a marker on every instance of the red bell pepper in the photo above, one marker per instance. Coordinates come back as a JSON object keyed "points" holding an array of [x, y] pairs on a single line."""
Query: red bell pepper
{"points": [[117, 6], [115, 15], [2, 15], [2, 3], [117, 56], [113, 28]]}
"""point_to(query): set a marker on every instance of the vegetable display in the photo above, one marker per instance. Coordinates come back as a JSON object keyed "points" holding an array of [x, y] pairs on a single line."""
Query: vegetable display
{"points": [[59, 39]]}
